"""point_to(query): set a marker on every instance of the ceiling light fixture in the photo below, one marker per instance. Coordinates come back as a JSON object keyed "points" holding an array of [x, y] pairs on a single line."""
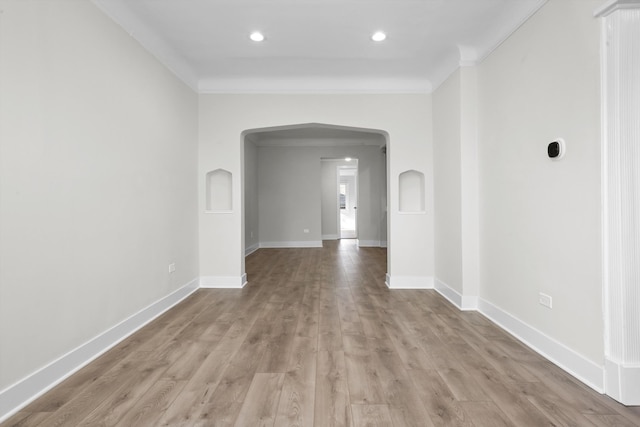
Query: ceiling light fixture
{"points": [[256, 36], [348, 159], [378, 36]]}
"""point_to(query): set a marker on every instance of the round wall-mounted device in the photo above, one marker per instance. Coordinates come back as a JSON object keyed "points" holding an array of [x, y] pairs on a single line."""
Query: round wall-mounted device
{"points": [[555, 149]]}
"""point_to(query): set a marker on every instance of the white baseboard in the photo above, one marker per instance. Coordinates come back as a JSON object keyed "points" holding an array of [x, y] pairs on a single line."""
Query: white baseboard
{"points": [[232, 282], [368, 243], [409, 282], [17, 396], [298, 244], [462, 302], [383, 243], [251, 249], [622, 382], [330, 237], [577, 365]]}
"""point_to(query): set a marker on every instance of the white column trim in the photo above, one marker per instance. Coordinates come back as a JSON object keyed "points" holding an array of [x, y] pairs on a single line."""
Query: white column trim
{"points": [[620, 198], [614, 5], [462, 302], [409, 282], [223, 282]]}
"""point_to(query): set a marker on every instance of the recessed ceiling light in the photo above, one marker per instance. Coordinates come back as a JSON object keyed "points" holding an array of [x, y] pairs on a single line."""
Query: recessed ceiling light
{"points": [[256, 36], [378, 36], [348, 159]]}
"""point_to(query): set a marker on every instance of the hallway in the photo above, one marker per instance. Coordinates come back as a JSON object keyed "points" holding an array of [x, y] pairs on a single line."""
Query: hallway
{"points": [[316, 338]]}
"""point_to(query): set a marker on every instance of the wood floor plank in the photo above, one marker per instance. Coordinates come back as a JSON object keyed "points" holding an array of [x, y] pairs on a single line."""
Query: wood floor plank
{"points": [[610, 421], [191, 400], [297, 399], [410, 351], [185, 360], [566, 388], [152, 406], [280, 341], [330, 335], [362, 378], [553, 407], [404, 405], [442, 406], [486, 414], [308, 317], [27, 419], [501, 389], [371, 416], [260, 405], [196, 395], [317, 339], [332, 404], [114, 407], [500, 360], [349, 319], [463, 386], [227, 399], [122, 376]]}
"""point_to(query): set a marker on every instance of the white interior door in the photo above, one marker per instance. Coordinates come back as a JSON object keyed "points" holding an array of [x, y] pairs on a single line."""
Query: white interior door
{"points": [[348, 202]]}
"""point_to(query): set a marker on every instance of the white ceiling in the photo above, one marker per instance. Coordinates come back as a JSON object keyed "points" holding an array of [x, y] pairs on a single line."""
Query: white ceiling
{"points": [[318, 45]]}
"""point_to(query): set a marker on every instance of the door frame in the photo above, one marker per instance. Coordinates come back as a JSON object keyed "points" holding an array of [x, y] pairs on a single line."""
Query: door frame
{"points": [[339, 169]]}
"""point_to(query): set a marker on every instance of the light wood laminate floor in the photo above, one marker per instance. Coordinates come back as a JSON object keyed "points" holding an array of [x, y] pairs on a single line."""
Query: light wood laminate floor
{"points": [[316, 339]]}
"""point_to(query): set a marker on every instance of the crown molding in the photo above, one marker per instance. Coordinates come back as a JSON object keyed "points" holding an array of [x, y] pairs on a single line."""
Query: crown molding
{"points": [[302, 85], [484, 51], [613, 5], [468, 56], [121, 14]]}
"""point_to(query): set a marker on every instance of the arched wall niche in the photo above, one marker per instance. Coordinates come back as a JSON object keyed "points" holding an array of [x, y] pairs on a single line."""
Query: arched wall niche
{"points": [[411, 192], [219, 189]]}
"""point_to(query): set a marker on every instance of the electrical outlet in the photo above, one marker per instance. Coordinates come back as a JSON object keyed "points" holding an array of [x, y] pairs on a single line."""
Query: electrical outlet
{"points": [[172, 267], [545, 300], [306, 230]]}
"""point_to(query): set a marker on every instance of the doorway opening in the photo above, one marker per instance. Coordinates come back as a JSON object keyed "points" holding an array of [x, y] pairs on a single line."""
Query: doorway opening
{"points": [[348, 200], [290, 186]]}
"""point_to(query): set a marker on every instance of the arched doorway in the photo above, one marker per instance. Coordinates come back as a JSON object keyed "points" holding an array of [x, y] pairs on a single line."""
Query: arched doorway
{"points": [[285, 173]]}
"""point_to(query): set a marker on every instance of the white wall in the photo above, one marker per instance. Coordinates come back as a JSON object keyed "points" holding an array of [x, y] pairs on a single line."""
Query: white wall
{"points": [[447, 182], [540, 219], [297, 191], [251, 205], [289, 195], [406, 119], [98, 158], [329, 177]]}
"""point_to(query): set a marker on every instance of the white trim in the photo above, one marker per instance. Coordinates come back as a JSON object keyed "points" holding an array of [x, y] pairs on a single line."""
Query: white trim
{"points": [[620, 69], [330, 237], [369, 243], [409, 282], [17, 396], [622, 382], [412, 212], [293, 244], [383, 243], [315, 85], [485, 51], [575, 364], [224, 282], [121, 14], [613, 5], [462, 302], [251, 249]]}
